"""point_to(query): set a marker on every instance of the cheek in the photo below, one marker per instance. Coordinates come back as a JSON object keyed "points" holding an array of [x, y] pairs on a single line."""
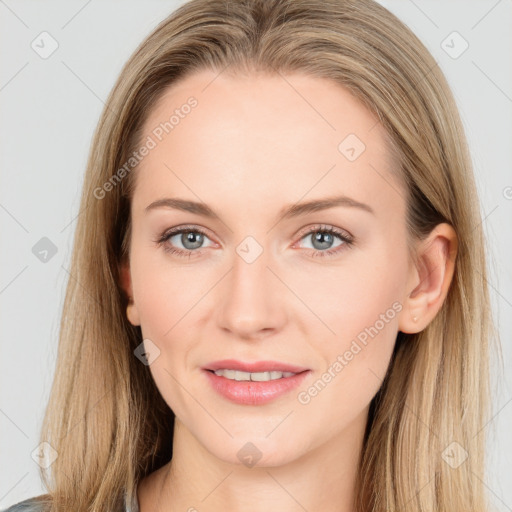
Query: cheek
{"points": [[360, 303], [356, 358], [164, 291], [355, 296]]}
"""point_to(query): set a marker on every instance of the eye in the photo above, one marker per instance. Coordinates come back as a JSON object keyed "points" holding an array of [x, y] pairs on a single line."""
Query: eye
{"points": [[323, 240], [191, 238]]}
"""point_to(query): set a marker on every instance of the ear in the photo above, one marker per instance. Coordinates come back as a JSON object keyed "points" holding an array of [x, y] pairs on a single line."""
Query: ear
{"points": [[126, 284], [429, 279]]}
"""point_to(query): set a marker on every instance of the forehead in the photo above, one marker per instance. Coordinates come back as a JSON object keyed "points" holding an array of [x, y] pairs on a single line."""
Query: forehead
{"points": [[263, 134]]}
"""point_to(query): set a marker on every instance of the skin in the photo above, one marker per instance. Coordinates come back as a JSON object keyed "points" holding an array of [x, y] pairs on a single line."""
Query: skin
{"points": [[253, 145]]}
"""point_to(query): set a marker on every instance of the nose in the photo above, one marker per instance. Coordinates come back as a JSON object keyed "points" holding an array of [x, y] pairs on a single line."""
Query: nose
{"points": [[252, 303]]}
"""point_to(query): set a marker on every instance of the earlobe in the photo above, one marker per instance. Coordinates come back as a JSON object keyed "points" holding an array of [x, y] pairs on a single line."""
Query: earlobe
{"points": [[430, 279], [132, 314], [126, 283]]}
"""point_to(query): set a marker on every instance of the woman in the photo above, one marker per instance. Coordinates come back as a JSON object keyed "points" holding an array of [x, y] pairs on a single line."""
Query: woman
{"points": [[280, 295]]}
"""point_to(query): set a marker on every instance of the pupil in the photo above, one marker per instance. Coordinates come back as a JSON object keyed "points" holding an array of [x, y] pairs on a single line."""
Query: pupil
{"points": [[325, 239], [195, 239]]}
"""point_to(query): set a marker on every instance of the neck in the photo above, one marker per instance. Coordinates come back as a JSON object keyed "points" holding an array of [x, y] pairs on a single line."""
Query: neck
{"points": [[323, 478]]}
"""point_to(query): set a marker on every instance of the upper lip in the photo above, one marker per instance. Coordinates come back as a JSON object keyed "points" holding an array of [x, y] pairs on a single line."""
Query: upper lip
{"points": [[253, 367]]}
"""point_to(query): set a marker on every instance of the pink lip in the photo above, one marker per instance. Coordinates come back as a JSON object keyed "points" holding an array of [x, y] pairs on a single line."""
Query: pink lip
{"points": [[253, 392], [258, 366]]}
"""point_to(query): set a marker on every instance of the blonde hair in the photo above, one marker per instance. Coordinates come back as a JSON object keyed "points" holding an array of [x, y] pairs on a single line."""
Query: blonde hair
{"points": [[105, 416]]}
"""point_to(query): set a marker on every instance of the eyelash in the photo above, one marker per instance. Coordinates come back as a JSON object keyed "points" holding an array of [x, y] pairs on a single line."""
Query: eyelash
{"points": [[166, 235]]}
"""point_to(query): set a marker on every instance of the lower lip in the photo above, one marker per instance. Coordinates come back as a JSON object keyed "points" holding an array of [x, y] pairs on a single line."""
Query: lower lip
{"points": [[254, 392]]}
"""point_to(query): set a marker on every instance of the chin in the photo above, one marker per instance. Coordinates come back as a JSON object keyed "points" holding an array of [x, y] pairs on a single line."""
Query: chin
{"points": [[254, 451]]}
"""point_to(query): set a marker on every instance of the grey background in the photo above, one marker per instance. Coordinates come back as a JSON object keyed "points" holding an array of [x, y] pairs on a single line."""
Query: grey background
{"points": [[50, 108]]}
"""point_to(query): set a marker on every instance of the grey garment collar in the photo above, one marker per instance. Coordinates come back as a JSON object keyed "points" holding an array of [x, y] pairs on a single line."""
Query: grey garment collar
{"points": [[131, 503]]}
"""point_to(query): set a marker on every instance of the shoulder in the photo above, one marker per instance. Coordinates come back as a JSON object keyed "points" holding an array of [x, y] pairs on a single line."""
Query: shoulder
{"points": [[35, 504]]}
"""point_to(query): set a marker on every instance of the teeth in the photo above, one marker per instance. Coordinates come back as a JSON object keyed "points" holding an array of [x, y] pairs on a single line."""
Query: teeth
{"points": [[257, 376]]}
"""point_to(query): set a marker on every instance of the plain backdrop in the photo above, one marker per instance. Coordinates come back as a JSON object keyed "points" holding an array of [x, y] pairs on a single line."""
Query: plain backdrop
{"points": [[50, 107]]}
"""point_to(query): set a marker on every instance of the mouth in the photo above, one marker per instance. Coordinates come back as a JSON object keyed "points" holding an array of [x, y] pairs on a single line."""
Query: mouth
{"points": [[254, 367], [253, 383], [252, 376]]}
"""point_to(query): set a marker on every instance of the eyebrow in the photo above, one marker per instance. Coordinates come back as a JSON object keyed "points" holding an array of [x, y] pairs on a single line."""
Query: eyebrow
{"points": [[288, 212]]}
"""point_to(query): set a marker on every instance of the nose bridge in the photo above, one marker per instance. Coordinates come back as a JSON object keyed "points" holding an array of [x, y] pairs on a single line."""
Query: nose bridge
{"points": [[249, 298]]}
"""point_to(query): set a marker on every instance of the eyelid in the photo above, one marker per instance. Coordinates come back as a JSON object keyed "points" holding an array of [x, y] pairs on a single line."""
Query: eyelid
{"points": [[300, 235], [346, 238], [324, 227], [186, 227]]}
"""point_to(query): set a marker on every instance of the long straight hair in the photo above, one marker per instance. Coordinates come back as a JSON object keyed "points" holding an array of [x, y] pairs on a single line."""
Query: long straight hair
{"points": [[105, 416]]}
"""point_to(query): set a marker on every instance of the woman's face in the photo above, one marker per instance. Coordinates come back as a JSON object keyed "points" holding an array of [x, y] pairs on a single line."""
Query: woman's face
{"points": [[251, 282]]}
